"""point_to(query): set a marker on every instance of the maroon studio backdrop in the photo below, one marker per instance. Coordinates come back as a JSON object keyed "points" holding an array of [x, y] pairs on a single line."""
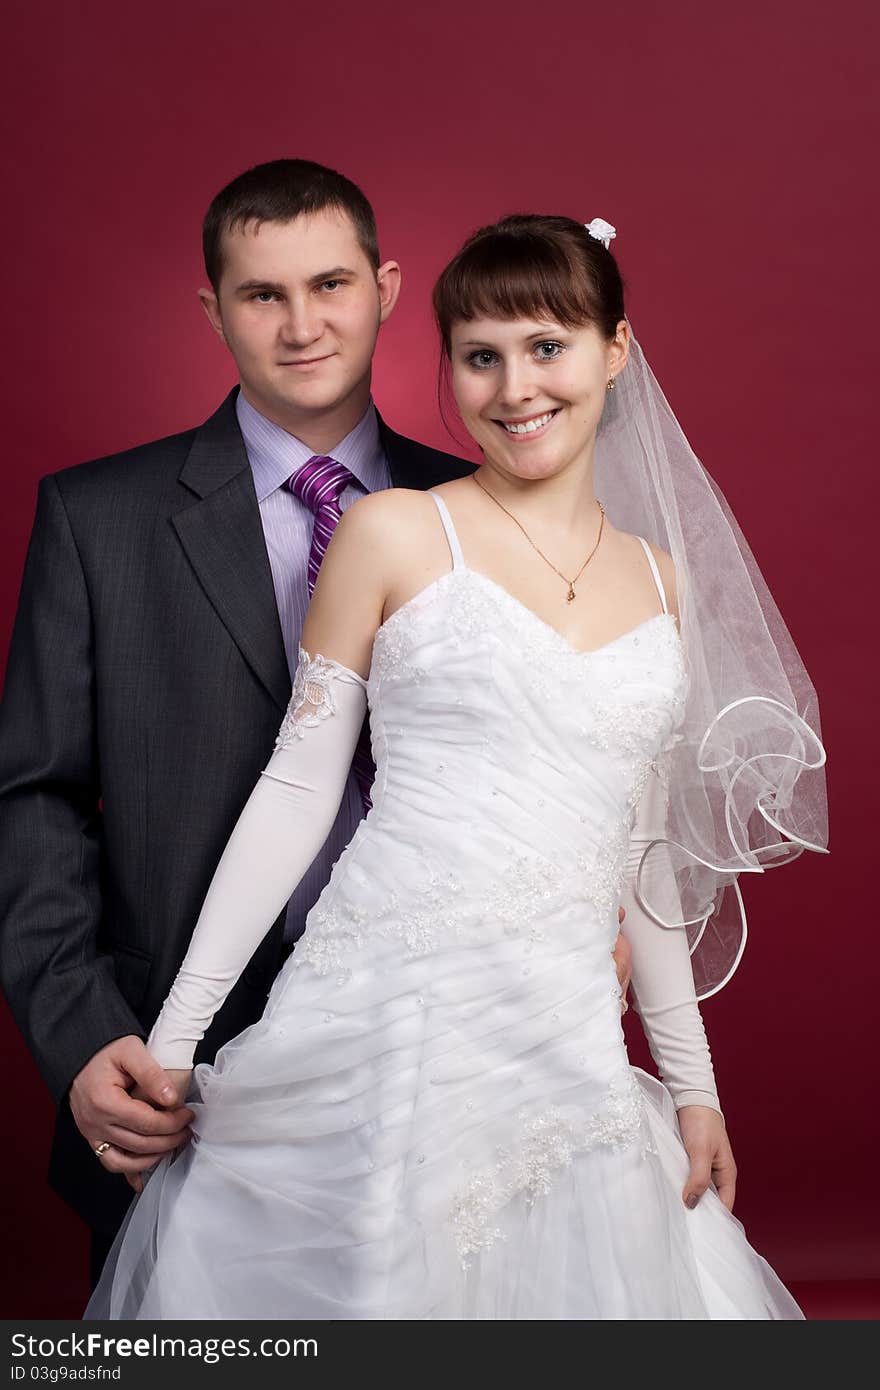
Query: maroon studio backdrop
{"points": [[732, 148]]}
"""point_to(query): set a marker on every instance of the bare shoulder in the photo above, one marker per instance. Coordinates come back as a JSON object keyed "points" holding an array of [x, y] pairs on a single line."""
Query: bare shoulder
{"points": [[393, 524], [383, 511], [665, 566], [372, 544]]}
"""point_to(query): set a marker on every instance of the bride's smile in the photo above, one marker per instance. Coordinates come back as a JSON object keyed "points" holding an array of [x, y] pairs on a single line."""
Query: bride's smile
{"points": [[531, 392]]}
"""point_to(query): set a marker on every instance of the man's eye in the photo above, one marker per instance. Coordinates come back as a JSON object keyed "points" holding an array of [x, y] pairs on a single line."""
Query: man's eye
{"points": [[548, 352], [481, 358], [264, 296], [331, 284]]}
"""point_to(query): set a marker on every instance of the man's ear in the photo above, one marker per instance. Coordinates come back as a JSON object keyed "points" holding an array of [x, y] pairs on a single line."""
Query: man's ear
{"points": [[211, 306], [388, 284]]}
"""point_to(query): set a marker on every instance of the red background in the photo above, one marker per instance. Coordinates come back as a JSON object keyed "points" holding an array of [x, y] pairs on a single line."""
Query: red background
{"points": [[733, 152]]}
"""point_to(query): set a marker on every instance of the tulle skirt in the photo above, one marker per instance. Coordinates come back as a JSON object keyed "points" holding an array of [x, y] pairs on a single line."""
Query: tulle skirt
{"points": [[453, 1137]]}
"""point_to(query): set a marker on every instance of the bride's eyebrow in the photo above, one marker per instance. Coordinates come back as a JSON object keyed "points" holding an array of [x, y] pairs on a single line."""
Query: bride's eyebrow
{"points": [[532, 337]]}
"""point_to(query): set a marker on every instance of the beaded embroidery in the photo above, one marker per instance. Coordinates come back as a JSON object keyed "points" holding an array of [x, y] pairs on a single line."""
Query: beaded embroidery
{"points": [[480, 604], [436, 908], [432, 910], [544, 1143]]}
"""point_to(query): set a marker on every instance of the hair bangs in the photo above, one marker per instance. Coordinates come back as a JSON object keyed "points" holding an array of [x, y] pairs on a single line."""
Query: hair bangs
{"points": [[529, 266], [514, 278]]}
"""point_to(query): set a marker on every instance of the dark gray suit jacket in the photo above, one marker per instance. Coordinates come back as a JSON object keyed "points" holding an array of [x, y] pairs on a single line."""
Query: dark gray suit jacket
{"points": [[146, 683]]}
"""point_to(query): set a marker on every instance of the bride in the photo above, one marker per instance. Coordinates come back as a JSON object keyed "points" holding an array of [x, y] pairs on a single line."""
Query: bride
{"points": [[580, 692]]}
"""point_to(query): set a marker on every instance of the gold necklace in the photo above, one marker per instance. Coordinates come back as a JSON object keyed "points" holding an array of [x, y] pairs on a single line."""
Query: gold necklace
{"points": [[570, 596]]}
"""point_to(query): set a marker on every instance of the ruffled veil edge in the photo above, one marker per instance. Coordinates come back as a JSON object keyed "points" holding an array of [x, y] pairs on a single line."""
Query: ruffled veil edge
{"points": [[744, 769]]}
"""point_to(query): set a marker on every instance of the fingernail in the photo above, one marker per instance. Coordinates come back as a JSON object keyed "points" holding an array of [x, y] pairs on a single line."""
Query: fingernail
{"points": [[167, 1093], [691, 1200]]}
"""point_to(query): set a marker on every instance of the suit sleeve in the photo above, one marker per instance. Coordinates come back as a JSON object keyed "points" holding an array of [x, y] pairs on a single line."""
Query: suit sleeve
{"points": [[61, 989]]}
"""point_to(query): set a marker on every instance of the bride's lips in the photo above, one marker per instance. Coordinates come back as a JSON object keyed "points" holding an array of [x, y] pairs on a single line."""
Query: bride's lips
{"points": [[520, 437]]}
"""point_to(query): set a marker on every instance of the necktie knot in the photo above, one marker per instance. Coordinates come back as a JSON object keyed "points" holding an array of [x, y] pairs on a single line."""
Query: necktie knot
{"points": [[320, 482]]}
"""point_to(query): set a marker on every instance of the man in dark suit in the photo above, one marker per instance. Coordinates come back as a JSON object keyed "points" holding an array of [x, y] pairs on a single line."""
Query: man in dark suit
{"points": [[161, 605]]}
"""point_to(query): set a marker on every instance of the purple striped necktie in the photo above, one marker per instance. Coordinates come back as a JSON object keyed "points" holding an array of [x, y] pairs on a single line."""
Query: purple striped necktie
{"points": [[320, 483]]}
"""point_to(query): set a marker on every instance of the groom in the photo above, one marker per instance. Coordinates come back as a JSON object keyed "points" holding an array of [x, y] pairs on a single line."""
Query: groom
{"points": [[163, 597]]}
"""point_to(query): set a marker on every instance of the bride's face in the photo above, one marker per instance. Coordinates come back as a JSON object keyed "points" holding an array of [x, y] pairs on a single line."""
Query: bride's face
{"points": [[531, 393]]}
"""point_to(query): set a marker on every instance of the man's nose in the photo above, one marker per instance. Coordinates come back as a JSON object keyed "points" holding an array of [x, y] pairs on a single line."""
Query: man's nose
{"points": [[302, 324]]}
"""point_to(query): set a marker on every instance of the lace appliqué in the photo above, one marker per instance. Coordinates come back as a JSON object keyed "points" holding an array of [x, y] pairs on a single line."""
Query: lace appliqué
{"points": [[601, 873], [312, 699], [391, 652], [632, 728], [426, 914], [398, 637], [438, 909], [330, 937], [546, 1143]]}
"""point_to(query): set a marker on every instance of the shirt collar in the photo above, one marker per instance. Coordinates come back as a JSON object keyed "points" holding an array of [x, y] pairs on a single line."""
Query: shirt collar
{"points": [[274, 455]]}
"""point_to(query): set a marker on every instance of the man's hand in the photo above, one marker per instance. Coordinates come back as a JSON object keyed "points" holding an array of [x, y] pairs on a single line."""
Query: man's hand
{"points": [[123, 1097], [704, 1135], [622, 956]]}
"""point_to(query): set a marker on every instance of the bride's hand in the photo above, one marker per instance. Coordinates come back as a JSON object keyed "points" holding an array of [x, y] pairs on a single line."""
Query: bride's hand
{"points": [[622, 956], [180, 1079], [705, 1138]]}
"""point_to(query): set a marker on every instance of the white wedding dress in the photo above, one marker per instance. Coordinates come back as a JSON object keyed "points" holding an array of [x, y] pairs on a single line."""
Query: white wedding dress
{"points": [[436, 1116]]}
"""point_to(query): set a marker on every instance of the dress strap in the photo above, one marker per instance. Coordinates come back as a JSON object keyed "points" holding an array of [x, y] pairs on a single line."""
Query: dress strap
{"points": [[451, 534], [656, 573]]}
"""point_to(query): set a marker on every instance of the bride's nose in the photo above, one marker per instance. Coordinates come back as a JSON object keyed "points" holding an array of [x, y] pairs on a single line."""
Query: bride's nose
{"points": [[517, 384]]}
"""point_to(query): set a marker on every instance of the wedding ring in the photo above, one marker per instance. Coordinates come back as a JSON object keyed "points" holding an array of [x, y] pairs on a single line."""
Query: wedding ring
{"points": [[102, 1148]]}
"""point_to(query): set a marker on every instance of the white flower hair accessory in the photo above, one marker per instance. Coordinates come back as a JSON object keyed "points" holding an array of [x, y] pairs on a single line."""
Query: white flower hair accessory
{"points": [[601, 230]]}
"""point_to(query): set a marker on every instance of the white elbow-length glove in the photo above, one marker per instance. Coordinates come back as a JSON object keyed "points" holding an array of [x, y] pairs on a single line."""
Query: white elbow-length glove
{"points": [[284, 823], [662, 979]]}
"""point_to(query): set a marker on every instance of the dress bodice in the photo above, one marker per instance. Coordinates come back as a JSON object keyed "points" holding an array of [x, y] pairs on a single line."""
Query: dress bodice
{"points": [[472, 693], [509, 763]]}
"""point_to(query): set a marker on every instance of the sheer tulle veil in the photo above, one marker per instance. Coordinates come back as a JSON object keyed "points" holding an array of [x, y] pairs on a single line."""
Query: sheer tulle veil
{"points": [[745, 771]]}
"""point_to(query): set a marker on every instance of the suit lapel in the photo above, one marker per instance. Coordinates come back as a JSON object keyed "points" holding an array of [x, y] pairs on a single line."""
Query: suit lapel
{"points": [[400, 463], [222, 535]]}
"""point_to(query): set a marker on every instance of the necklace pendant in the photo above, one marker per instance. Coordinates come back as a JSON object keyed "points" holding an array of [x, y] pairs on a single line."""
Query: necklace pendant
{"points": [[571, 594]]}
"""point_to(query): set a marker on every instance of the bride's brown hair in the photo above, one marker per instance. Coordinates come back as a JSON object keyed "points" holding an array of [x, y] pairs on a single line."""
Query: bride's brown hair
{"points": [[530, 266]]}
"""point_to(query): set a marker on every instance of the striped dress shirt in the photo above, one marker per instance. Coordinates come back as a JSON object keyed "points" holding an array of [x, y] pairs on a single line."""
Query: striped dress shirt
{"points": [[274, 456]]}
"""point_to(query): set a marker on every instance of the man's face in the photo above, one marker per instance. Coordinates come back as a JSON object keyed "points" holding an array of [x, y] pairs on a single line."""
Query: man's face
{"points": [[299, 307]]}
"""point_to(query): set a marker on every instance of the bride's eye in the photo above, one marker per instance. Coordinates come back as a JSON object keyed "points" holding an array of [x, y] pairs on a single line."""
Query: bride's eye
{"points": [[483, 357], [549, 351]]}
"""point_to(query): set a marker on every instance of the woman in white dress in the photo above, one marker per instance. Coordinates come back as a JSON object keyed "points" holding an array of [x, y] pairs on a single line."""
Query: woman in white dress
{"points": [[436, 1116]]}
